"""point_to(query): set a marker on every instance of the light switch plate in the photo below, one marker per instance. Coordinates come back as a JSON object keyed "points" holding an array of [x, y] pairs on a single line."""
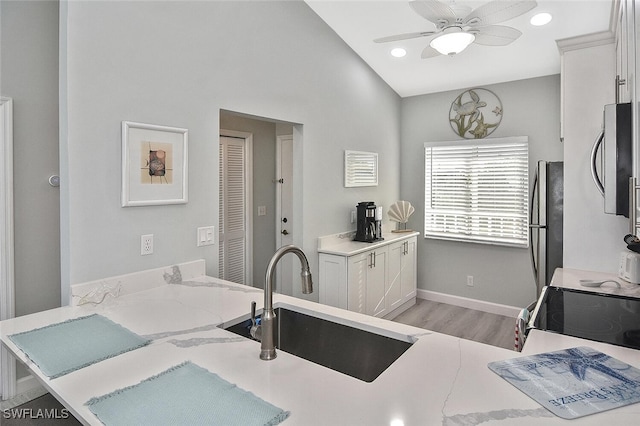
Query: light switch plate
{"points": [[206, 236]]}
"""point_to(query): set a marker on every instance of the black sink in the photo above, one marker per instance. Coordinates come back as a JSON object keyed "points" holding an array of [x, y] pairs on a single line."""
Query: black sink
{"points": [[358, 353]]}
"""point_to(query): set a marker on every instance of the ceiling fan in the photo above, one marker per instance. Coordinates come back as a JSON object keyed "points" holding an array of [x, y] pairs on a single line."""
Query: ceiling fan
{"points": [[457, 26]]}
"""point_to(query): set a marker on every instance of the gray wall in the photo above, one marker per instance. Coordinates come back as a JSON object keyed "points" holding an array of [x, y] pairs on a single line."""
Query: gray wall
{"points": [[179, 64], [29, 75], [501, 275]]}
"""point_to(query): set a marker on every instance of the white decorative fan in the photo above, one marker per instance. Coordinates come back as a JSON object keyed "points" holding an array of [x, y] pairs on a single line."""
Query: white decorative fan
{"points": [[400, 212], [458, 26]]}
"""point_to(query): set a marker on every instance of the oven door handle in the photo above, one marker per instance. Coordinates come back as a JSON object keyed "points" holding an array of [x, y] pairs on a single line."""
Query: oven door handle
{"points": [[526, 319], [538, 304], [521, 328]]}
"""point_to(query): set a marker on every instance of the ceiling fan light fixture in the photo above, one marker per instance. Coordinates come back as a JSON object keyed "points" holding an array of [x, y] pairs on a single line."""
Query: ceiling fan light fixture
{"points": [[539, 19], [398, 52], [452, 43]]}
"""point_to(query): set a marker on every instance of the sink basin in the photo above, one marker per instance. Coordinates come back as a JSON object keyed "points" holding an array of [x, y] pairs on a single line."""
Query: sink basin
{"points": [[358, 353]]}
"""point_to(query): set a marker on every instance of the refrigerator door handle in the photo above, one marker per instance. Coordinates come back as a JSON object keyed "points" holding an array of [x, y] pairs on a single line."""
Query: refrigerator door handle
{"points": [[532, 250], [538, 250], [594, 170]]}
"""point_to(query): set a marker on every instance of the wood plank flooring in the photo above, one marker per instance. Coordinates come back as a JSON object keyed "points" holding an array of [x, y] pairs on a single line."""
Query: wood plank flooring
{"points": [[492, 329]]}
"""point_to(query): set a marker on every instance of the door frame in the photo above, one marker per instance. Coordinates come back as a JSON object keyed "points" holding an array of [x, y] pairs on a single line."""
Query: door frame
{"points": [[278, 217], [248, 175], [285, 267], [7, 290]]}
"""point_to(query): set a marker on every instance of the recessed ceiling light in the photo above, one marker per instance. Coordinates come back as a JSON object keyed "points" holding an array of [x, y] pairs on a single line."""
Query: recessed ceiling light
{"points": [[540, 19], [398, 52]]}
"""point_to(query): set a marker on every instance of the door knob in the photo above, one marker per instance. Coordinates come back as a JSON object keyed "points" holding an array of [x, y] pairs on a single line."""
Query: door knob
{"points": [[285, 232]]}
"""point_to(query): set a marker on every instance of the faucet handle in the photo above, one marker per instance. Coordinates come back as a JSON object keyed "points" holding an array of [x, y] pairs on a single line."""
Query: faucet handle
{"points": [[256, 331]]}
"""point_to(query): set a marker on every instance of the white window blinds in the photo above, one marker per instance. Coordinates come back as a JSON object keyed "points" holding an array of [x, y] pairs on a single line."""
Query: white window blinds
{"points": [[478, 191]]}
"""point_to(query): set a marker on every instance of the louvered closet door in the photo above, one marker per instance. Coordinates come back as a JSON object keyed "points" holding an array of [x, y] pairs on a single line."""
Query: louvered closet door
{"points": [[232, 210]]}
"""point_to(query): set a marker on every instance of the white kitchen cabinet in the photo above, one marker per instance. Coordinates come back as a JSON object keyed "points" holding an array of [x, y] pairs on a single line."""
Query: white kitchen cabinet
{"points": [[377, 279], [366, 278], [624, 65], [401, 273]]}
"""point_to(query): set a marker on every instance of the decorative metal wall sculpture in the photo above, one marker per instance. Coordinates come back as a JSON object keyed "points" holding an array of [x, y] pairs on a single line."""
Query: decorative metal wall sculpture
{"points": [[475, 113]]}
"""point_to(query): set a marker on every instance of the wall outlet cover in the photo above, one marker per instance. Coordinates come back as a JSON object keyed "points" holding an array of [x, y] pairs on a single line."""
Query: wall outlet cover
{"points": [[146, 244]]}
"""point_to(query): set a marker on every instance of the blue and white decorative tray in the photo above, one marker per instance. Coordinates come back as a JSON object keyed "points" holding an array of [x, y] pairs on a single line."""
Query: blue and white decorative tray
{"points": [[573, 382]]}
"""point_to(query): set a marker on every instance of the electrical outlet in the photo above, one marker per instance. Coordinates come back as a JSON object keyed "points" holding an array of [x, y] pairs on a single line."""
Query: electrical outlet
{"points": [[470, 280], [353, 216], [146, 244]]}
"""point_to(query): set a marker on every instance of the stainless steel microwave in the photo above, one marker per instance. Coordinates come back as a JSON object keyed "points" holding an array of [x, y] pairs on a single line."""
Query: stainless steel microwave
{"points": [[614, 143]]}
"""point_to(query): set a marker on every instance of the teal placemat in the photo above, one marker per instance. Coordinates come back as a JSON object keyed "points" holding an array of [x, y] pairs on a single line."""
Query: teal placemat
{"points": [[573, 382], [61, 348], [186, 394]]}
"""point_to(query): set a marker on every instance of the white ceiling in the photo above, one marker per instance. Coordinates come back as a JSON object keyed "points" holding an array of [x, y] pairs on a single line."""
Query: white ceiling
{"points": [[534, 54]]}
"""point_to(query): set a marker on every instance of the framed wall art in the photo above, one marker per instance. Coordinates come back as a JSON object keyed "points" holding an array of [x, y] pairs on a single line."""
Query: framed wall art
{"points": [[154, 165], [360, 169]]}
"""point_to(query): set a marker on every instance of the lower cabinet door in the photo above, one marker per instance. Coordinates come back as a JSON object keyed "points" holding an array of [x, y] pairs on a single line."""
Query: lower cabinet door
{"points": [[376, 279], [357, 282], [393, 298]]}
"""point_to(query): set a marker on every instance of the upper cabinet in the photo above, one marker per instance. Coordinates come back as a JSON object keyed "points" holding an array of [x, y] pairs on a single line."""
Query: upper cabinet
{"points": [[624, 53], [633, 38]]}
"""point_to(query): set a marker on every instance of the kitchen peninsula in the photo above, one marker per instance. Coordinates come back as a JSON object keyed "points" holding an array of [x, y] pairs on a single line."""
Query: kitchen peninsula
{"points": [[439, 380]]}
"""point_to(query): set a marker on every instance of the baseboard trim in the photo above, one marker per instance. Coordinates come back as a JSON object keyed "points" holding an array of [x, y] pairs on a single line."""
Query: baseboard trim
{"points": [[28, 384], [465, 302]]}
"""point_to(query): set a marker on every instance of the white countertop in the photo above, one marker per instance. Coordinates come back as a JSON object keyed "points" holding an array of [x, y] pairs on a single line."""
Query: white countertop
{"points": [[439, 380], [343, 244], [570, 278]]}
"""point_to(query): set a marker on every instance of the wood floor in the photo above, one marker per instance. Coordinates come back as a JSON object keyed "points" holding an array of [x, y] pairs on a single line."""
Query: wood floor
{"points": [[492, 329]]}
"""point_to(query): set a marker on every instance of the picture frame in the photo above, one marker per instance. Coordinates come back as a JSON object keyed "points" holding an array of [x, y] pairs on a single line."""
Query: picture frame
{"points": [[154, 164]]}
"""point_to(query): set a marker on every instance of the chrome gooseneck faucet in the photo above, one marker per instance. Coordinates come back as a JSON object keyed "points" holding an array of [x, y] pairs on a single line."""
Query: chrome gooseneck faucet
{"points": [[265, 331]]}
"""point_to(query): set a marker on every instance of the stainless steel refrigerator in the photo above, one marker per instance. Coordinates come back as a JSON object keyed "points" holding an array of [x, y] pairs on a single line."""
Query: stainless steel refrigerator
{"points": [[546, 221]]}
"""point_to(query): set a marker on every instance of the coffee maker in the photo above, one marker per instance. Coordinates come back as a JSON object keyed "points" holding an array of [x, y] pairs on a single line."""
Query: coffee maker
{"points": [[369, 226]]}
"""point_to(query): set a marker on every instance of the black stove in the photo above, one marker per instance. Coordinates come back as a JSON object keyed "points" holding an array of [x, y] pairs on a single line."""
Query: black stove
{"points": [[594, 316]]}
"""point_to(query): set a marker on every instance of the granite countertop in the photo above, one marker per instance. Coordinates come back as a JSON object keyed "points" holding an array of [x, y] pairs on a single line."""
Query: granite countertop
{"points": [[439, 380]]}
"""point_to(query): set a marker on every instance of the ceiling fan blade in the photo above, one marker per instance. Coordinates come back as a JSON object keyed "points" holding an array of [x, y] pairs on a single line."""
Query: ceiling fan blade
{"points": [[429, 52], [405, 36], [496, 35], [434, 11], [498, 11]]}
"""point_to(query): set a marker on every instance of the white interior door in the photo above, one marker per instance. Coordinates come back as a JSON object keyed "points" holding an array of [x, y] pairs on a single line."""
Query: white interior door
{"points": [[284, 212], [235, 225], [7, 300]]}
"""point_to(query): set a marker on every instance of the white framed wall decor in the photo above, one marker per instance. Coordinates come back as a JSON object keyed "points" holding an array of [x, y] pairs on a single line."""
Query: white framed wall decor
{"points": [[360, 169], [154, 164]]}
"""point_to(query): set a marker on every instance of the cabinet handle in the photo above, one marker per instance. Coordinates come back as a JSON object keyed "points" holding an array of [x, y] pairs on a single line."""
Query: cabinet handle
{"points": [[373, 256]]}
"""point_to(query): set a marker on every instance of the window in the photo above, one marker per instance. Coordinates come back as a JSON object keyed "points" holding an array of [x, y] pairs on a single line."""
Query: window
{"points": [[478, 191]]}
